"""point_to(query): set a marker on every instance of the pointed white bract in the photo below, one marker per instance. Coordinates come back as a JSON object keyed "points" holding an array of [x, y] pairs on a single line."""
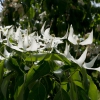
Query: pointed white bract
{"points": [[1, 58], [8, 43], [66, 35], [42, 29], [66, 49], [91, 63], [97, 69], [25, 41], [10, 32], [34, 46], [17, 33], [75, 40], [0, 37], [21, 41], [6, 53], [71, 36], [82, 58], [89, 40], [5, 29], [46, 36], [67, 53]]}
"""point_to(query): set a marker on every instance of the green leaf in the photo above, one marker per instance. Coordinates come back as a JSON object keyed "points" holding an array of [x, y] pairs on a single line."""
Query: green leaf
{"points": [[62, 95], [37, 72], [38, 92], [73, 91], [82, 95], [31, 12], [30, 75], [48, 83], [12, 64], [93, 92], [1, 71], [78, 83], [37, 57], [53, 66], [5, 83], [48, 57], [58, 57], [64, 85], [84, 79], [76, 76], [19, 89]]}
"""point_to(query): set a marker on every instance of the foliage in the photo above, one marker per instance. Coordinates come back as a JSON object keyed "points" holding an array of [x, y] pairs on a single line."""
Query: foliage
{"points": [[37, 71], [59, 14], [33, 65]]}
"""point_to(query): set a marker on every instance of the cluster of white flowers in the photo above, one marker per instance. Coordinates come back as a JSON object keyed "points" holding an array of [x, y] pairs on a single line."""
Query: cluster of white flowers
{"points": [[20, 40]]}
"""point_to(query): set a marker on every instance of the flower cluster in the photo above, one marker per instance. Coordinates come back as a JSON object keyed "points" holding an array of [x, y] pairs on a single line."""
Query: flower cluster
{"points": [[21, 41]]}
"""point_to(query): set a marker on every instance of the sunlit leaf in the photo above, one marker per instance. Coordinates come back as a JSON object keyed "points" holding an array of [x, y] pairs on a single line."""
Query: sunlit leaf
{"points": [[64, 85], [37, 72], [93, 92], [78, 83], [31, 12], [35, 57]]}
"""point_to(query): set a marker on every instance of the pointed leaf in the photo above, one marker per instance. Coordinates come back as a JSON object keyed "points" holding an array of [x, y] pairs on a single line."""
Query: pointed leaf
{"points": [[38, 92], [36, 57], [73, 89], [37, 72], [62, 95], [1, 71], [93, 92], [4, 85], [19, 91]]}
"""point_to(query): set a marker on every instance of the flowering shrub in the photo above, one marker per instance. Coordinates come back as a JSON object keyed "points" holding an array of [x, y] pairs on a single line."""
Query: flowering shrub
{"points": [[32, 67]]}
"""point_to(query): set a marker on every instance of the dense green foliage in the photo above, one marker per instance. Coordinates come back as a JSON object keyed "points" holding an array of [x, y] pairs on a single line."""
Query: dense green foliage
{"points": [[32, 75]]}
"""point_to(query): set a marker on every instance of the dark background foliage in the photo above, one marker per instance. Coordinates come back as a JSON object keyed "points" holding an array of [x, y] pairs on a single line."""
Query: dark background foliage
{"points": [[83, 15]]}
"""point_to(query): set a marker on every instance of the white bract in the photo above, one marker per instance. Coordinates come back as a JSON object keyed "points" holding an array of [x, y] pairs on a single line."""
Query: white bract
{"points": [[20, 40], [50, 40], [76, 41]]}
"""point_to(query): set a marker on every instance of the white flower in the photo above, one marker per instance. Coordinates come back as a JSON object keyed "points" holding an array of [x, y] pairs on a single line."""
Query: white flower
{"points": [[66, 52], [20, 41], [82, 58], [1, 58], [81, 61], [0, 37], [34, 46], [5, 29], [12, 46], [74, 38], [91, 63], [50, 41], [89, 40], [71, 36], [17, 33], [6, 53], [25, 41]]}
